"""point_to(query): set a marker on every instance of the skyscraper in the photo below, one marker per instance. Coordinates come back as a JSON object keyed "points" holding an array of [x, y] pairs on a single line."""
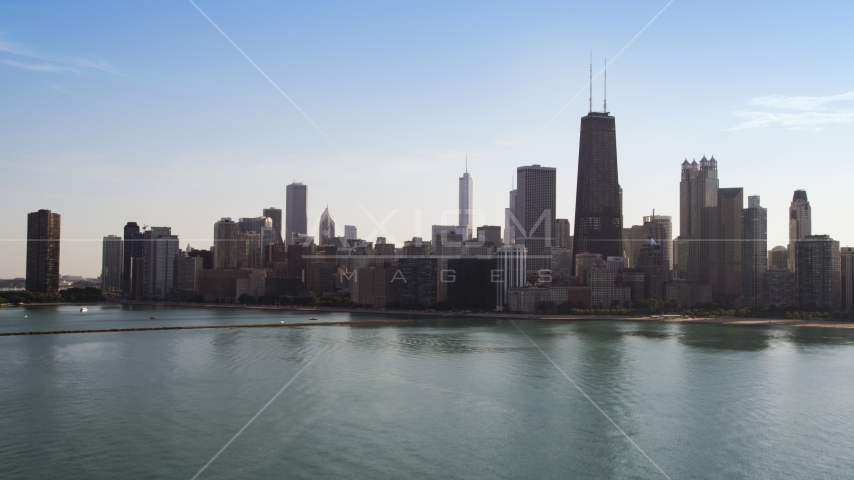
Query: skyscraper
{"points": [[800, 222], [726, 285], [509, 220], [651, 263], [846, 264], [131, 249], [327, 228], [111, 264], [818, 276], [660, 228], [43, 251], [350, 232], [698, 222], [598, 196], [535, 212], [562, 233], [466, 203], [778, 258], [159, 251], [488, 234], [296, 218], [754, 251], [846, 257], [275, 214], [230, 249]]}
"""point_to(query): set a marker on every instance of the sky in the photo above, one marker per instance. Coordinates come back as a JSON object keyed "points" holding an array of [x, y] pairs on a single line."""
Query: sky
{"points": [[144, 111]]}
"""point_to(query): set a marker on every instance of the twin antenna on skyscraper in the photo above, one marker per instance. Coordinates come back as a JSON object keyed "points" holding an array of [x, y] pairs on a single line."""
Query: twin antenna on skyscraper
{"points": [[605, 70]]}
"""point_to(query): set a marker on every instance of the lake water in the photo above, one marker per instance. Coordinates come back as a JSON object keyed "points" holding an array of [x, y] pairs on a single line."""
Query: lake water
{"points": [[439, 398]]}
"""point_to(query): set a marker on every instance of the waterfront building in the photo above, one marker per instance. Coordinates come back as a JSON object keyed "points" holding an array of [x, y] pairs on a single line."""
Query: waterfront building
{"points": [[698, 220], [778, 258], [572, 296], [635, 280], [561, 262], [512, 272], [817, 273], [754, 251], [296, 211], [598, 196], [375, 286], [111, 264], [466, 203], [419, 289], [473, 286], [778, 288], [187, 270], [583, 262], [526, 299], [160, 248], [535, 212], [800, 222], [322, 277], [846, 257], [43, 229], [726, 285], [601, 283], [132, 248]]}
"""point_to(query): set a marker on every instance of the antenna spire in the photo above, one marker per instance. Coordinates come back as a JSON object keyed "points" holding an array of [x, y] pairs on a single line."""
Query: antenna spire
{"points": [[605, 106], [467, 163], [591, 81]]}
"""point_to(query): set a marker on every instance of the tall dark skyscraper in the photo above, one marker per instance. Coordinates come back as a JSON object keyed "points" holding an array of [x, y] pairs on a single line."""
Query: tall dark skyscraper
{"points": [[754, 251], [296, 215], [43, 251], [132, 248], [535, 212], [598, 197]]}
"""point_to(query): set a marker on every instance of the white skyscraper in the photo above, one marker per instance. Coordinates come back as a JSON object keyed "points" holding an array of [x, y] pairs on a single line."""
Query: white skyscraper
{"points": [[800, 223], [327, 228], [466, 202], [350, 232]]}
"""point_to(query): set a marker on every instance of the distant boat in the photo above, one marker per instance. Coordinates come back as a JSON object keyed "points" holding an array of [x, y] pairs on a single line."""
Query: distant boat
{"points": [[152, 318], [25, 316], [281, 321], [311, 318], [83, 309]]}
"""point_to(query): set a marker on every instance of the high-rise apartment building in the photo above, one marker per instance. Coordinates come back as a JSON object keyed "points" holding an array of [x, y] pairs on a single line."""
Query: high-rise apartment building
{"points": [[726, 286], [230, 248], [778, 258], [535, 212], [698, 222], [275, 214], [652, 263], [598, 196], [327, 228], [660, 228], [490, 235], [296, 214], [800, 222], [818, 276], [111, 264], [512, 270], [466, 203], [131, 249], [846, 267], [43, 251], [510, 220], [160, 248], [754, 252]]}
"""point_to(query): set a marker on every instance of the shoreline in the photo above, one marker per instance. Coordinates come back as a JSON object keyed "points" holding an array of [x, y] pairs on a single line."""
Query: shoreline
{"points": [[721, 321]]}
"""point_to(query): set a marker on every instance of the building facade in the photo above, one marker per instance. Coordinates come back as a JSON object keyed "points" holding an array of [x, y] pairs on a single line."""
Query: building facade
{"points": [[800, 222], [327, 228], [754, 251], [660, 228], [535, 212], [466, 203], [296, 211], [778, 258], [111, 264], [275, 215], [818, 275], [43, 229], [846, 267], [598, 196]]}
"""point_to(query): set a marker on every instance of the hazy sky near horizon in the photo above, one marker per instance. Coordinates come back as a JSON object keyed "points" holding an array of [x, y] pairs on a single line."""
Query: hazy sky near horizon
{"points": [[143, 111]]}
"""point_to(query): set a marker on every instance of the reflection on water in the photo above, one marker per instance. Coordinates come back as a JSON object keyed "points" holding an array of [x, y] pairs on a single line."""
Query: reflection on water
{"points": [[440, 397]]}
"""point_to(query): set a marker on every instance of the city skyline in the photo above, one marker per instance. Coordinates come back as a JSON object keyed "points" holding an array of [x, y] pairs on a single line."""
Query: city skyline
{"points": [[764, 121]]}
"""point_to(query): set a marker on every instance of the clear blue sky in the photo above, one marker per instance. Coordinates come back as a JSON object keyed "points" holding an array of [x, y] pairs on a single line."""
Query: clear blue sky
{"points": [[118, 111]]}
